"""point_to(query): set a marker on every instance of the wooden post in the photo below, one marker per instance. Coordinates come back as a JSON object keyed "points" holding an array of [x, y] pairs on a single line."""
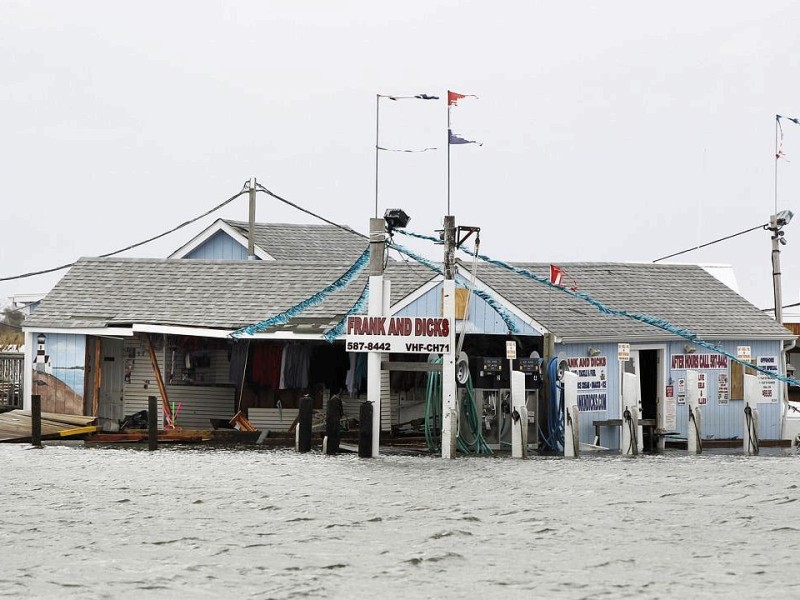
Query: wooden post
{"points": [[152, 423], [98, 375], [365, 430], [36, 421], [159, 380], [305, 415], [333, 417]]}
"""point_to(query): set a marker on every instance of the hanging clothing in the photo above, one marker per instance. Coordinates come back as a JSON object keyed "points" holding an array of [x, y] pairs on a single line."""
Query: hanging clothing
{"points": [[329, 364], [295, 365], [357, 374], [266, 364], [238, 362]]}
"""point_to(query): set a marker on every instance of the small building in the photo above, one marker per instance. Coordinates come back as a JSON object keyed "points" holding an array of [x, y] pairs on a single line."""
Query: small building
{"points": [[114, 327]]}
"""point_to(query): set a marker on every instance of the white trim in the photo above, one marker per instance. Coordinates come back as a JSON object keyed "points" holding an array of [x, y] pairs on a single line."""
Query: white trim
{"points": [[27, 375], [215, 227], [222, 333], [654, 339], [416, 294], [97, 331]]}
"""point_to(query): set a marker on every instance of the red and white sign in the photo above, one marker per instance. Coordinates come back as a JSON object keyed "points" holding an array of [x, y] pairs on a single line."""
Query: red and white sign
{"points": [[423, 335]]}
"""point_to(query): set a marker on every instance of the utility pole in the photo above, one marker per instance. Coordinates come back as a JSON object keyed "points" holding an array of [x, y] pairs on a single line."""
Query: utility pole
{"points": [[375, 308], [449, 404], [251, 245], [777, 239]]}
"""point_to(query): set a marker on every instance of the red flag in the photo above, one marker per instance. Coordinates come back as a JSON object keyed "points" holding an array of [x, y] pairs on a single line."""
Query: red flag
{"points": [[454, 97], [556, 275]]}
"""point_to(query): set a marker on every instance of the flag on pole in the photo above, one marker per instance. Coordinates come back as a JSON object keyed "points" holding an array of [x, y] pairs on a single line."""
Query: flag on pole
{"points": [[457, 139], [557, 275], [454, 97]]}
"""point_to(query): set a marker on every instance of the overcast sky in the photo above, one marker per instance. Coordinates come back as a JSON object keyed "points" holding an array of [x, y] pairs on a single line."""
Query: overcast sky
{"points": [[612, 131]]}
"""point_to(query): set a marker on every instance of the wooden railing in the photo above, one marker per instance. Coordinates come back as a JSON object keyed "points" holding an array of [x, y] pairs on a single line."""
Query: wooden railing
{"points": [[11, 365]]}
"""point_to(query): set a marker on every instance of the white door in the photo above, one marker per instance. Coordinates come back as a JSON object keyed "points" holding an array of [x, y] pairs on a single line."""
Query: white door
{"points": [[111, 366]]}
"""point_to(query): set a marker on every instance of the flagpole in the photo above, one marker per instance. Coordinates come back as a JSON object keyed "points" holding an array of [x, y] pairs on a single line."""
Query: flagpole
{"points": [[777, 124], [377, 152], [448, 152]]}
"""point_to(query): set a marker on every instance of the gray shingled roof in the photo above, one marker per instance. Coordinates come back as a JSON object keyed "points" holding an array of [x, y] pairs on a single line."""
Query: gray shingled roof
{"points": [[684, 295], [100, 292], [285, 241]]}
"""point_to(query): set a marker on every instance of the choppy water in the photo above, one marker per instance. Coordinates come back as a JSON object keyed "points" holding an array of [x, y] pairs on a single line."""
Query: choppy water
{"points": [[190, 523]]}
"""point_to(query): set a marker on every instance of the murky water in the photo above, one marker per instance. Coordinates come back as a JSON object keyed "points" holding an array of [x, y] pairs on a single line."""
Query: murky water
{"points": [[190, 523]]}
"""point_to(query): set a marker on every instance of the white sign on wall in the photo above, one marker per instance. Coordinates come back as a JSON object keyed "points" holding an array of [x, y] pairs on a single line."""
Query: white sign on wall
{"points": [[623, 352], [422, 335], [702, 397], [511, 350], [682, 390], [769, 385], [592, 372], [744, 353]]}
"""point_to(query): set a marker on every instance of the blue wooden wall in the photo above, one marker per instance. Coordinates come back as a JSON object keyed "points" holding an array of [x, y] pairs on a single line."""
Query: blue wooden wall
{"points": [[482, 317], [720, 421], [219, 246]]}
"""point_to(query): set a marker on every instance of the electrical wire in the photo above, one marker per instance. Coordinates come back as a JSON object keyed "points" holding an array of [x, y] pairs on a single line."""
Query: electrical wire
{"points": [[308, 212], [722, 239], [132, 246]]}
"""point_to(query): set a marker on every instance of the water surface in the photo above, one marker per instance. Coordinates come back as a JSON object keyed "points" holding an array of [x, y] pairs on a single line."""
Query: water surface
{"points": [[200, 523]]}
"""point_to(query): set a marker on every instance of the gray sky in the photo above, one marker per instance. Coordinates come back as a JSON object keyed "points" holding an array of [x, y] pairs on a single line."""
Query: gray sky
{"points": [[618, 131]]}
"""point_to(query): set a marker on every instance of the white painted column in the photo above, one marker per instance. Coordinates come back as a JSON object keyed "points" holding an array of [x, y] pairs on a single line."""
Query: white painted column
{"points": [[694, 428], [519, 428], [630, 435], [374, 309], [752, 392], [570, 416], [449, 409], [27, 368]]}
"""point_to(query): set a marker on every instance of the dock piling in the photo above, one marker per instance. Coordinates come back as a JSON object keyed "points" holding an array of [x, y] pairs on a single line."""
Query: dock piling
{"points": [[36, 420], [152, 423]]}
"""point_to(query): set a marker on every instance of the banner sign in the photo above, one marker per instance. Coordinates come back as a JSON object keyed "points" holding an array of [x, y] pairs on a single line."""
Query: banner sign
{"points": [[769, 386], [421, 335], [592, 372], [699, 361]]}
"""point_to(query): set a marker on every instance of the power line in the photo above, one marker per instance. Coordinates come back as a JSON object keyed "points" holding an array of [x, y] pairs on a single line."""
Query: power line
{"points": [[308, 212], [132, 246], [722, 239]]}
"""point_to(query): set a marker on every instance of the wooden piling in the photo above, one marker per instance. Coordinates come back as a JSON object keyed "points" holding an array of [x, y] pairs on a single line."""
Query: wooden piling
{"points": [[304, 424], [36, 420], [365, 430], [152, 423]]}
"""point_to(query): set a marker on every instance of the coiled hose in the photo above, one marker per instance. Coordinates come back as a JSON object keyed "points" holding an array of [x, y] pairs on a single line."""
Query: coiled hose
{"points": [[470, 438], [553, 437]]}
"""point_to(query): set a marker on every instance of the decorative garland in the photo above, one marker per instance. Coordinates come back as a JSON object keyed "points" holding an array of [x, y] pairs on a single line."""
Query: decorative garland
{"points": [[656, 322], [508, 319], [283, 317], [357, 308]]}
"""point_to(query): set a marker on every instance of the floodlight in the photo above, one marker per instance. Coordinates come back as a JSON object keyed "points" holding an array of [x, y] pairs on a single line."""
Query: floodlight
{"points": [[395, 218]]}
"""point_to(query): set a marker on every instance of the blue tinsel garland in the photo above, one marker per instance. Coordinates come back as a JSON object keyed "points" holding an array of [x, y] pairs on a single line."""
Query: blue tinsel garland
{"points": [[283, 317]]}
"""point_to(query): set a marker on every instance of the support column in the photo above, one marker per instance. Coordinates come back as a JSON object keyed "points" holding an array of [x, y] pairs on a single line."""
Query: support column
{"points": [[27, 372], [571, 424], [694, 428], [377, 249], [449, 408], [752, 391]]}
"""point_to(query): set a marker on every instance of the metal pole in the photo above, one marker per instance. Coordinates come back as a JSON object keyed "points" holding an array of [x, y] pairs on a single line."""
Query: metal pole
{"points": [[36, 421], [776, 268], [377, 241], [448, 152], [251, 246], [449, 406], [377, 144], [777, 127]]}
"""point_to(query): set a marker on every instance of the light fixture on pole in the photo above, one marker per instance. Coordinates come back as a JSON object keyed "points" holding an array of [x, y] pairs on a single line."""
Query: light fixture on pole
{"points": [[378, 130]]}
